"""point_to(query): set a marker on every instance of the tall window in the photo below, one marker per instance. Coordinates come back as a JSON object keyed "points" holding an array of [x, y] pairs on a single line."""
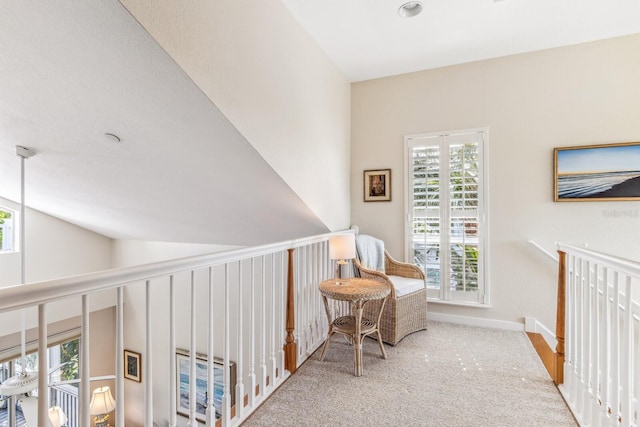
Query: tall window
{"points": [[63, 379], [7, 220], [446, 213]]}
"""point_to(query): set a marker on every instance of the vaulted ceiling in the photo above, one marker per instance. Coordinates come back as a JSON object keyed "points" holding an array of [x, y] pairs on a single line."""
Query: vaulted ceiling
{"points": [[75, 71]]}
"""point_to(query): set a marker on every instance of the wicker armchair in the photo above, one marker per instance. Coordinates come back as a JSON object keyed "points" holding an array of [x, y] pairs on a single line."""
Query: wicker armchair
{"points": [[406, 307]]}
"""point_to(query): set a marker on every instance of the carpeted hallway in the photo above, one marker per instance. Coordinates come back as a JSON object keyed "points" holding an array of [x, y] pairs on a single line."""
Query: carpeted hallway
{"points": [[449, 375]]}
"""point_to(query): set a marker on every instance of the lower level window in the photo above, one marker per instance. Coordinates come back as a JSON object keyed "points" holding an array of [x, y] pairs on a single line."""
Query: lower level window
{"points": [[7, 219], [63, 380]]}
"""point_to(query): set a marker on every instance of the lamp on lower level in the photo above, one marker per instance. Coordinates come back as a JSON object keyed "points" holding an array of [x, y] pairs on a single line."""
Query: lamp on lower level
{"points": [[57, 416], [341, 248], [101, 404]]}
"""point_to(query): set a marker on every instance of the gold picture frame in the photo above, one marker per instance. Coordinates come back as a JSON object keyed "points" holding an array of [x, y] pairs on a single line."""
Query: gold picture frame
{"points": [[597, 173], [132, 365], [377, 185]]}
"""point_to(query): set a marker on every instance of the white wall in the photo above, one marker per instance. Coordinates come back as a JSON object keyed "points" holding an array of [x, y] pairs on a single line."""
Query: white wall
{"points": [[578, 95], [54, 248], [263, 71]]}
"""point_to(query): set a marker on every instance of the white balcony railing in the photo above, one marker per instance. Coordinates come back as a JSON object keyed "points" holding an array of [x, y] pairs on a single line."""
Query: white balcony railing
{"points": [[256, 310], [601, 337]]}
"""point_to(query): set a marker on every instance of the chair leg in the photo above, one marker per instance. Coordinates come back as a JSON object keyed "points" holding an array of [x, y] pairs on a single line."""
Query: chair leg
{"points": [[384, 353]]}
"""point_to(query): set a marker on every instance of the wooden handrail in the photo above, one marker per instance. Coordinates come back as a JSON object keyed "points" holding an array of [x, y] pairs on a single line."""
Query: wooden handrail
{"points": [[560, 318], [290, 347]]}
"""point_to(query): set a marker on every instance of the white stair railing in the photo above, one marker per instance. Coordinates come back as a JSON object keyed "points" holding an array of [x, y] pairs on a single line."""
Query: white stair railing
{"points": [[602, 338], [230, 305]]}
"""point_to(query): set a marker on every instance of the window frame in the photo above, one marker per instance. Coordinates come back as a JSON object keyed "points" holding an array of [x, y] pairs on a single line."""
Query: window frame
{"points": [[444, 295], [15, 229]]}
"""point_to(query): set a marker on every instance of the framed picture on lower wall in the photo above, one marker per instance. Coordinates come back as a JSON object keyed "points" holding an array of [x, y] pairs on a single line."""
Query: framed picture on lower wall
{"points": [[202, 395], [590, 173], [132, 365]]}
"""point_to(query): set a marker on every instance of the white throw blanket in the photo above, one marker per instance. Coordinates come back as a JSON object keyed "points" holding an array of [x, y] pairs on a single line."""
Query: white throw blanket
{"points": [[370, 252]]}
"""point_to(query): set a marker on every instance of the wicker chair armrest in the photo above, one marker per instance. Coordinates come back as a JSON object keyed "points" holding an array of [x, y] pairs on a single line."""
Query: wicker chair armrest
{"points": [[379, 276], [403, 269]]}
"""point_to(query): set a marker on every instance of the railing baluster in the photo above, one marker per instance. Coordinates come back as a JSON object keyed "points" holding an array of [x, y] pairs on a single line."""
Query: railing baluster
{"points": [[273, 324], [626, 372], [615, 349], [304, 302], [211, 409], [85, 363], [43, 368], [282, 316], [120, 397], [172, 351], [589, 349], [252, 340], [192, 356], [240, 363], [605, 354], [263, 330], [147, 367], [226, 395]]}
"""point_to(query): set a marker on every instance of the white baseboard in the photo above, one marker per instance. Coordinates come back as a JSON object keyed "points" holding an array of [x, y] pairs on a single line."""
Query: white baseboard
{"points": [[532, 325], [476, 321]]}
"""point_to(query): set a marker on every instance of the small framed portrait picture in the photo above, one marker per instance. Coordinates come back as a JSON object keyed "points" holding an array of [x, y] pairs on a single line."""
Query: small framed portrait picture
{"points": [[377, 185], [132, 365]]}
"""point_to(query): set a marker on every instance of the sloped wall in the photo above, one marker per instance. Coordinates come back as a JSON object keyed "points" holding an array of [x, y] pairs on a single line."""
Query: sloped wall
{"points": [[55, 248], [263, 71]]}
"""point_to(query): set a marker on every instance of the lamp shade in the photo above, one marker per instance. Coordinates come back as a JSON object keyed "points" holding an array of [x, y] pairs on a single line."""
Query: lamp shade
{"points": [[342, 246], [57, 416], [101, 402]]}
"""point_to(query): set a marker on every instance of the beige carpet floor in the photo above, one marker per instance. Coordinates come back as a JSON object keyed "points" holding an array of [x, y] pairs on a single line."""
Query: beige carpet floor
{"points": [[448, 375]]}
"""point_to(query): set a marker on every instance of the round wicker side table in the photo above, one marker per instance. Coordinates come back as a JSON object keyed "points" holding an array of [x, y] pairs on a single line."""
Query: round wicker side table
{"points": [[358, 292]]}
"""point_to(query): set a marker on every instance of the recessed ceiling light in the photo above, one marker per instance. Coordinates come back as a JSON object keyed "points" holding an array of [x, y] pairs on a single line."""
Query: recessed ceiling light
{"points": [[410, 9], [112, 137]]}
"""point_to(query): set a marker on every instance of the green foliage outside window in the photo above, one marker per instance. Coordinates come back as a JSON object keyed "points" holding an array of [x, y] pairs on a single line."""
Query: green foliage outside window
{"points": [[3, 215], [70, 360]]}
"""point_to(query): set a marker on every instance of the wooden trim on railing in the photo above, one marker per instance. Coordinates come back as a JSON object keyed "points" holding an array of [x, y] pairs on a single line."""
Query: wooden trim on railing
{"points": [[560, 317], [290, 348]]}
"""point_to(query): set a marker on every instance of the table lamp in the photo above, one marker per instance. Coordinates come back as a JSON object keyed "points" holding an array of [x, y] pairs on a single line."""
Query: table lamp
{"points": [[101, 404], [341, 248], [57, 416]]}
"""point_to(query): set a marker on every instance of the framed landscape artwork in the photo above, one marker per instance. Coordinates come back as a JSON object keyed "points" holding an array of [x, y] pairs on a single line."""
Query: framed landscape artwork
{"points": [[182, 383], [597, 173], [377, 185]]}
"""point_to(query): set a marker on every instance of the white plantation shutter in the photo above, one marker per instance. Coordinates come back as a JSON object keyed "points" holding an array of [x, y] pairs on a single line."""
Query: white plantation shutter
{"points": [[445, 218]]}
